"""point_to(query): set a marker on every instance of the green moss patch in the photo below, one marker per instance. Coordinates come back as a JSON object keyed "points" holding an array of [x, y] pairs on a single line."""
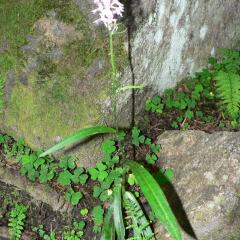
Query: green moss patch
{"points": [[63, 94]]}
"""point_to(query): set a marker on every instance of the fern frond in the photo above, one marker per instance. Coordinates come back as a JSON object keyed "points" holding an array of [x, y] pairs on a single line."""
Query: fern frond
{"points": [[228, 85], [139, 222], [16, 221]]}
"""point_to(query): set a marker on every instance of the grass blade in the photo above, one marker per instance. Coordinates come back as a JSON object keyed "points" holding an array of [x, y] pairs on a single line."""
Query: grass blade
{"points": [[156, 199], [117, 214], [83, 133], [108, 232]]}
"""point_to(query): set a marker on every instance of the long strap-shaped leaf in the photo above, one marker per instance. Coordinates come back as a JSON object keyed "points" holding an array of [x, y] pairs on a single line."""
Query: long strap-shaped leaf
{"points": [[108, 229], [156, 199], [117, 213], [83, 133]]}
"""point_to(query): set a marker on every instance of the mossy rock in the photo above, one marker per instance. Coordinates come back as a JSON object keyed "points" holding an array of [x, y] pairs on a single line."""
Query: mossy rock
{"points": [[60, 76]]}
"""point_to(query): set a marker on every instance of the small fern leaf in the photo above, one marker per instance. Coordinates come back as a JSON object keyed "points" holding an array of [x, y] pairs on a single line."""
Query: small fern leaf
{"points": [[228, 85], [140, 224]]}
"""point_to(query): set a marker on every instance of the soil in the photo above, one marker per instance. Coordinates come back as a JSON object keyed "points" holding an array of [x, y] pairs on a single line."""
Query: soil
{"points": [[40, 213]]}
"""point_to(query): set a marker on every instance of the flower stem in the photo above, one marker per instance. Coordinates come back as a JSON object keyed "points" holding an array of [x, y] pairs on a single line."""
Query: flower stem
{"points": [[114, 84]]}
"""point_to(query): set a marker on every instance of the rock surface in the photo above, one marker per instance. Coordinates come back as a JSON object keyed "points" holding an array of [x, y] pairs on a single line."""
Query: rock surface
{"points": [[207, 181], [60, 78], [64, 82], [178, 36]]}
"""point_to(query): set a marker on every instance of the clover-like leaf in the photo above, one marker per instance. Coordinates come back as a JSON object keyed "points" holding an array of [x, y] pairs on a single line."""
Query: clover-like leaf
{"points": [[96, 191], [83, 178], [151, 158], [102, 175], [101, 166], [94, 173], [65, 178], [108, 146], [76, 196]]}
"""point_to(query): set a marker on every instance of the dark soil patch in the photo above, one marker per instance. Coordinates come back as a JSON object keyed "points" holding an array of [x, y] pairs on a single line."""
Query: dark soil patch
{"points": [[39, 213]]}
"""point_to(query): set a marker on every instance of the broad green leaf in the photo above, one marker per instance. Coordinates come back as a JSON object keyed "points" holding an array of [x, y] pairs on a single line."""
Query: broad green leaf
{"points": [[83, 133], [117, 214], [156, 199]]}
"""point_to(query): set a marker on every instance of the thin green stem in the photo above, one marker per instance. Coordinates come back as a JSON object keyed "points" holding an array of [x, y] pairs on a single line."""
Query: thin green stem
{"points": [[114, 83]]}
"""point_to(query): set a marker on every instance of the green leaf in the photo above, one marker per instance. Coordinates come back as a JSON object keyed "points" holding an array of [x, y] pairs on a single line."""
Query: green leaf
{"points": [[26, 159], [108, 146], [83, 178], [148, 141], [63, 163], [101, 166], [131, 179], [71, 163], [121, 135], [96, 191], [94, 173], [108, 230], [228, 85], [151, 158], [140, 223], [189, 114], [155, 148], [102, 175], [83, 133], [117, 213], [76, 196], [164, 176], [65, 178], [84, 211], [98, 215], [169, 173], [156, 199]]}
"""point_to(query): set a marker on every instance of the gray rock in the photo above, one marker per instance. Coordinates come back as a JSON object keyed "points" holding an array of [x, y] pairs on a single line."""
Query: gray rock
{"points": [[10, 81], [23, 78], [178, 36], [54, 54], [207, 180], [95, 68], [32, 45]]}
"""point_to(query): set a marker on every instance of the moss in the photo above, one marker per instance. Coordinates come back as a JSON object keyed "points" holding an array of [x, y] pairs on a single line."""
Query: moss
{"points": [[17, 19], [60, 98]]}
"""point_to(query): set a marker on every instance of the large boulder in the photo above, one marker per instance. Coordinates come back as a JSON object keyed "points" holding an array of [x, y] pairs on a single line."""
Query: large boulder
{"points": [[64, 82], [57, 75], [177, 37], [207, 181]]}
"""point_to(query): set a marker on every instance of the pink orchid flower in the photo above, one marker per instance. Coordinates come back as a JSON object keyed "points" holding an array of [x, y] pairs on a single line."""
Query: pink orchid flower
{"points": [[108, 10]]}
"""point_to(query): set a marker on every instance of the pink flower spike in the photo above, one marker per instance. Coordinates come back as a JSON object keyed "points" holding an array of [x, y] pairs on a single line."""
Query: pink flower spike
{"points": [[108, 10]]}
